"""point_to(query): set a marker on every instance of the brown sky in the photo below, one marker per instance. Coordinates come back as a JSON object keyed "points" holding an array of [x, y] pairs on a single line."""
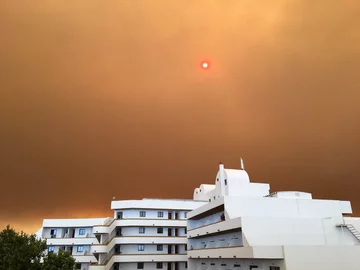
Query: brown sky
{"points": [[106, 98]]}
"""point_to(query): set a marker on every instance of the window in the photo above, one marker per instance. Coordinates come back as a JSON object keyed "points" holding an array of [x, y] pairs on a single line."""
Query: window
{"points": [[160, 214], [160, 230], [212, 263], [80, 249], [253, 266], [141, 248], [185, 230], [78, 266], [141, 230], [120, 215], [237, 265], [223, 264], [159, 247], [185, 215], [140, 266], [142, 214], [82, 232], [225, 182], [51, 249], [274, 267], [53, 233], [185, 264], [159, 265], [185, 247]]}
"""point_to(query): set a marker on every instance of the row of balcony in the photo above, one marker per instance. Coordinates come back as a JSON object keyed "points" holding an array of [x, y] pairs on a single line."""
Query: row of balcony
{"points": [[107, 229]]}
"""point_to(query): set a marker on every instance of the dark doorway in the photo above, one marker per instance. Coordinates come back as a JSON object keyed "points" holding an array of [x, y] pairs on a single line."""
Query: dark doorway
{"points": [[169, 215], [169, 249]]}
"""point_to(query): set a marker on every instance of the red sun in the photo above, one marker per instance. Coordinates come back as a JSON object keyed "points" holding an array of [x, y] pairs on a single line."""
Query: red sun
{"points": [[205, 65]]}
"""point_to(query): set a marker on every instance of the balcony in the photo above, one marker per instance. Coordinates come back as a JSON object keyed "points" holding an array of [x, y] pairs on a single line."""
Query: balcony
{"points": [[79, 241], [135, 240], [211, 216], [139, 258], [107, 229]]}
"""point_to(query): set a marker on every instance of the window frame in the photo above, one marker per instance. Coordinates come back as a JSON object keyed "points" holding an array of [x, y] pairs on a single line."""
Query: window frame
{"points": [[160, 230], [159, 247], [82, 231], [140, 265], [159, 265], [141, 230], [141, 247], [80, 249], [142, 214], [160, 214]]}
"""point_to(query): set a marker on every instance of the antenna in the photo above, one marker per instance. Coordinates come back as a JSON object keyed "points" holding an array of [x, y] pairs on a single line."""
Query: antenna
{"points": [[242, 164]]}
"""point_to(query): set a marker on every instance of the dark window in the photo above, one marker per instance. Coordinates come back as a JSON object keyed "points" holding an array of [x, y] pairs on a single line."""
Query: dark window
{"points": [[142, 214], [274, 267], [120, 215], [185, 230], [141, 247], [159, 265], [78, 266], [160, 214], [185, 264], [141, 230], [185, 214], [80, 249], [225, 182], [159, 247], [237, 265], [140, 266], [51, 249], [53, 233], [160, 230], [212, 263], [223, 264], [253, 266], [82, 232], [203, 263], [185, 247]]}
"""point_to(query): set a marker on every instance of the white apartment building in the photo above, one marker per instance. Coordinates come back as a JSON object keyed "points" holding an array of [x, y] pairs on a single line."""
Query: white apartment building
{"points": [[143, 234], [233, 224], [243, 226]]}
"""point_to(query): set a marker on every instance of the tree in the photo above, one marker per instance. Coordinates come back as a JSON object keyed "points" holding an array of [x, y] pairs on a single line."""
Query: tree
{"points": [[59, 261], [20, 251]]}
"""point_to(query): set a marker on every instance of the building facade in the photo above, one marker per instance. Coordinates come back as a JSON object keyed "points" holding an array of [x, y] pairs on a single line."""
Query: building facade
{"points": [[232, 224], [243, 226], [143, 234]]}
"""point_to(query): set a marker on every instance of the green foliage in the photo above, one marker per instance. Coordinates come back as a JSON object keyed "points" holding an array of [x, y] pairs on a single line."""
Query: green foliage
{"points": [[20, 251], [59, 261]]}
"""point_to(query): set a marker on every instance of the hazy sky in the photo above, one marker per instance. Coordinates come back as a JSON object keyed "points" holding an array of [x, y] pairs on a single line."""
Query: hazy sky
{"points": [[107, 98]]}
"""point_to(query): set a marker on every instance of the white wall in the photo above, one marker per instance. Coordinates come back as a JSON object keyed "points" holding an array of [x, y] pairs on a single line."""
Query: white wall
{"points": [[295, 231], [225, 264], [322, 258], [276, 207]]}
